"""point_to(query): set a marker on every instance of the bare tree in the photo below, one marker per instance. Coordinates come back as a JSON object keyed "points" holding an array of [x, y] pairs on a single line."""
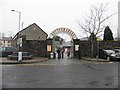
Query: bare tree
{"points": [[94, 22]]}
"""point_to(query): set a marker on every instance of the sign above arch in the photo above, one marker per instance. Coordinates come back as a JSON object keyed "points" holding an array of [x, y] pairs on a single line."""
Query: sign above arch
{"points": [[63, 30]]}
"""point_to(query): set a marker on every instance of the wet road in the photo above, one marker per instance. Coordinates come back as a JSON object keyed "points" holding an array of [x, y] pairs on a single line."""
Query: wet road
{"points": [[61, 74]]}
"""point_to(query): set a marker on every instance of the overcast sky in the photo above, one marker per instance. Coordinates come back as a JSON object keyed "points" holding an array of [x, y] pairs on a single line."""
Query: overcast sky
{"points": [[52, 14]]}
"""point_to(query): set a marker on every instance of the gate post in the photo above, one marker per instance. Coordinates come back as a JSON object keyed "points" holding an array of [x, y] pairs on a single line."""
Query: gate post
{"points": [[49, 47], [76, 45]]}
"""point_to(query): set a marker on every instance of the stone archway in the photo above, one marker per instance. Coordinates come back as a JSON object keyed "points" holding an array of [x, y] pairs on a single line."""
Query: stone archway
{"points": [[67, 31], [63, 30]]}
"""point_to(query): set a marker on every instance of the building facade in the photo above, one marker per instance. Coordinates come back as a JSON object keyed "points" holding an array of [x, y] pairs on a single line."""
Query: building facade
{"points": [[31, 39], [5, 42]]}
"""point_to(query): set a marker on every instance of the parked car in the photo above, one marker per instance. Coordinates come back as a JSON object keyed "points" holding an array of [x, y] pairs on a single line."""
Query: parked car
{"points": [[117, 50], [115, 56], [105, 54], [5, 51], [25, 55]]}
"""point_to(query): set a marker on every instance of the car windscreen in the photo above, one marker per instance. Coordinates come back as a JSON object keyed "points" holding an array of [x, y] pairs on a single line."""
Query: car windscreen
{"points": [[109, 51], [117, 50], [2, 49], [11, 49]]}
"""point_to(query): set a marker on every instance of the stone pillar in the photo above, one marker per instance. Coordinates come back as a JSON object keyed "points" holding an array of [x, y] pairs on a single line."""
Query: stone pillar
{"points": [[49, 47], [76, 45], [22, 48]]}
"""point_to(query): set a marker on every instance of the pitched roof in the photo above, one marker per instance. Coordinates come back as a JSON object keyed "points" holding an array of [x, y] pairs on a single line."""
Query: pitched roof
{"points": [[6, 38], [28, 27], [84, 38]]}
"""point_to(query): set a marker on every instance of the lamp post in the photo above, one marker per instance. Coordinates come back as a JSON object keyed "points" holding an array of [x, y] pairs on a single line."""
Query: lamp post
{"points": [[19, 53], [19, 18]]}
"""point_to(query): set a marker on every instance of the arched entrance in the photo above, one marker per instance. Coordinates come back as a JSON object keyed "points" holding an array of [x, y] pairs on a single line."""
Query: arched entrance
{"points": [[63, 30], [56, 45]]}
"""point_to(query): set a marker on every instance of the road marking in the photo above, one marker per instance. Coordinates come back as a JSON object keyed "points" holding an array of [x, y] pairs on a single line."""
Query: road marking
{"points": [[102, 62], [110, 62], [36, 64], [97, 62], [9, 65], [53, 64]]}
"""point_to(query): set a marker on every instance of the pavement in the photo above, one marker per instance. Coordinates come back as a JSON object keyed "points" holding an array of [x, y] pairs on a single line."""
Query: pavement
{"points": [[94, 59], [4, 60]]}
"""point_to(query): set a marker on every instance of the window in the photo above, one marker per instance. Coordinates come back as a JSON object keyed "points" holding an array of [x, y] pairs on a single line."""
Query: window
{"points": [[49, 48], [8, 41]]}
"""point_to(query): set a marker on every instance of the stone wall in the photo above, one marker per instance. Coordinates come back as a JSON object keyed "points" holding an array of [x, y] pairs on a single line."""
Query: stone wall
{"points": [[35, 47], [75, 52], [109, 44], [86, 46]]}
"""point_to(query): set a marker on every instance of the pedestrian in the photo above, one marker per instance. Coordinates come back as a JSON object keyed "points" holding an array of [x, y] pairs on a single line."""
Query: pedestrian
{"points": [[62, 52], [79, 53], [59, 53], [68, 52]]}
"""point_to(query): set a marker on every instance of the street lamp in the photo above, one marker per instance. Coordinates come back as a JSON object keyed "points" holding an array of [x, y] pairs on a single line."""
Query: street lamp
{"points": [[19, 18], [19, 53]]}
